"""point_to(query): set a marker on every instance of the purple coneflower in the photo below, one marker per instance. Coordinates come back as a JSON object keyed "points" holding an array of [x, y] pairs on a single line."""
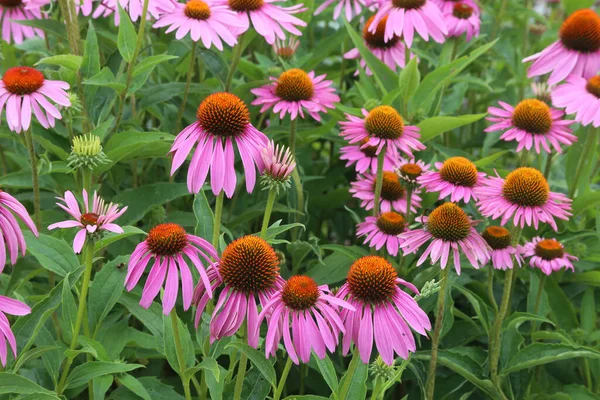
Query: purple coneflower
{"points": [[464, 19], [548, 255], [11, 236], [12, 11], [456, 177], [410, 171], [502, 253], [383, 231], [393, 193], [365, 158], [581, 97], [11, 307], [350, 8]]}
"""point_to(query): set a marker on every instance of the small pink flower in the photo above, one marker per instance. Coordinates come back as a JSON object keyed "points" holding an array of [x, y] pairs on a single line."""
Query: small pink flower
{"points": [[12, 11], [383, 311], [351, 8], [581, 97], [25, 90], [295, 91], [532, 124], [456, 177], [383, 231], [286, 48], [365, 159], [409, 171], [393, 193], [502, 253], [447, 6], [279, 162], [548, 255], [168, 244], [100, 217], [464, 19], [11, 236], [310, 312], [11, 307]]}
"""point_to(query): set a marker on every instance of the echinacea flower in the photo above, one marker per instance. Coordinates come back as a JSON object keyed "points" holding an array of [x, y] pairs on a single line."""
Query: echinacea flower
{"points": [[382, 126], [12, 11], [524, 196], [451, 231], [295, 91], [134, 8], [548, 255], [11, 236], [223, 118], [203, 20], [24, 90], [383, 311], [447, 6], [279, 165], [351, 8], [532, 123], [168, 244], [11, 307], [542, 91], [407, 16], [286, 48], [100, 217], [499, 239], [463, 20], [392, 52], [456, 177], [410, 171], [268, 19], [393, 193], [365, 158], [383, 231], [581, 97], [577, 51], [310, 312]]}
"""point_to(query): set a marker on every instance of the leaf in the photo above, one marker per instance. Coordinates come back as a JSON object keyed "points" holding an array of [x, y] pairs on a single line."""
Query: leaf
{"points": [[543, 353], [589, 315], [68, 311], [258, 359], [336, 265], [159, 391], [111, 237], [105, 78], [90, 65], [47, 25], [106, 289], [516, 319], [149, 63], [328, 372], [574, 5], [130, 145], [16, 384], [151, 317], [486, 161], [306, 397], [561, 306], [277, 229], [435, 126], [29, 355], [208, 364], [204, 216], [134, 385], [585, 201], [53, 254], [69, 61], [169, 343], [127, 37], [410, 77], [93, 369], [353, 383]]}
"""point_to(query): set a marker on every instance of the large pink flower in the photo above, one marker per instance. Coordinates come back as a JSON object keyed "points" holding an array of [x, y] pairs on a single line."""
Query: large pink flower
{"points": [[25, 90], [223, 119], [581, 97], [295, 91], [11, 236], [12, 11], [100, 217], [456, 177], [383, 231], [548, 255], [383, 311], [11, 307], [499, 239], [393, 193]]}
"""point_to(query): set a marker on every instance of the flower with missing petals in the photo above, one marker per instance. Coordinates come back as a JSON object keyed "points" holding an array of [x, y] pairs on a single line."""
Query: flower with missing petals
{"points": [[410, 171], [286, 48], [548, 255]]}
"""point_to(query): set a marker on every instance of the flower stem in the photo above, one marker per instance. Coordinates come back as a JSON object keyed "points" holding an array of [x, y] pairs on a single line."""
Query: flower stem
{"points": [[292, 139], [296, 176], [409, 192], [283, 379], [235, 60], [81, 311], [239, 379], [180, 355], [490, 288], [524, 47], [589, 148], [268, 211], [437, 330], [34, 178], [217, 221], [186, 91], [86, 174], [379, 182], [548, 165]]}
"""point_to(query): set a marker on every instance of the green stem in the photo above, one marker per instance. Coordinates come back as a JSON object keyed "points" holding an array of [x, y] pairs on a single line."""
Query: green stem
{"points": [[186, 91], [437, 330], [490, 288], [538, 300], [283, 379], [34, 178], [379, 181], [235, 60], [180, 354], [376, 388], [239, 379], [589, 148], [292, 139], [268, 211], [296, 177], [87, 179], [409, 192], [548, 165], [443, 91], [81, 311], [217, 221]]}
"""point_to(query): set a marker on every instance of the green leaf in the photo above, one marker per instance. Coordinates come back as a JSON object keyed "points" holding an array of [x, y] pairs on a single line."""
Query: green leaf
{"points": [[127, 36], [435, 126], [93, 369], [204, 216], [486, 161], [111, 237], [151, 318], [129, 145], [516, 319], [277, 229], [16, 384], [49, 25], [306, 397], [106, 289], [53, 254], [134, 385], [69, 311], [574, 5], [353, 383], [90, 64], [589, 314], [410, 77], [208, 364], [543, 353], [63, 60], [328, 372], [258, 359], [29, 355], [169, 343], [149, 63], [105, 78], [585, 201], [561, 306], [337, 264]]}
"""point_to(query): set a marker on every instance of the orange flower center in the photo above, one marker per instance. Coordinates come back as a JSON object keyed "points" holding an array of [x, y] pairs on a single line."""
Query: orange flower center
{"points": [[249, 264], [497, 237], [300, 293], [593, 85], [526, 187], [294, 85], [411, 170], [167, 239], [459, 171], [532, 116], [372, 279], [22, 80], [246, 5], [408, 4], [462, 11], [449, 222], [197, 9], [549, 249], [223, 114], [376, 39], [384, 122], [581, 31], [89, 219], [391, 223], [391, 188]]}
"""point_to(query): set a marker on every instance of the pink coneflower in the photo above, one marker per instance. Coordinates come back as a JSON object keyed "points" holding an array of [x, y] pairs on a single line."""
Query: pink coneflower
{"points": [[383, 311], [279, 162], [456, 177], [576, 52], [11, 236], [383, 231], [133, 7], [351, 8], [11, 307], [12, 11], [581, 97], [502, 253], [223, 119], [382, 126], [447, 6], [310, 312], [409, 171], [365, 158], [464, 19], [269, 20], [548, 255], [393, 193], [526, 195], [295, 91], [25, 90], [99, 218], [168, 244], [286, 48], [450, 230], [392, 52], [532, 124], [407, 16], [249, 268], [203, 20]]}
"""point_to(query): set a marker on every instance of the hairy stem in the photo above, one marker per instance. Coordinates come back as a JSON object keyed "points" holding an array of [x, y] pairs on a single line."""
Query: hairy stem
{"points": [[268, 211]]}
